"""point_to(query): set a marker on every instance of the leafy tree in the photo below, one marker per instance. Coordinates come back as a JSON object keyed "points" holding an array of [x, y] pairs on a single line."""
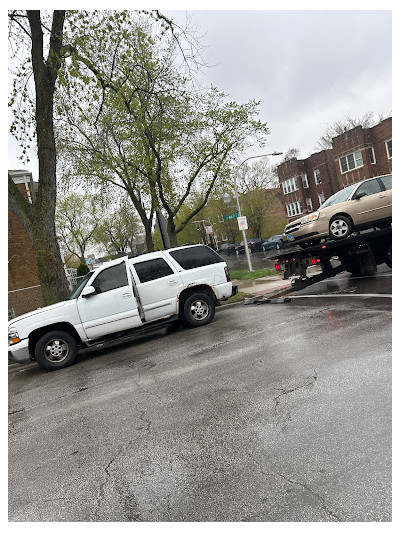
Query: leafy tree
{"points": [[77, 218], [150, 134], [120, 231], [44, 39]]}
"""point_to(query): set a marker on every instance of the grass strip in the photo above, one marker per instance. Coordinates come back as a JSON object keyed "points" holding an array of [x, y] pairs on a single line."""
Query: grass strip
{"points": [[245, 274]]}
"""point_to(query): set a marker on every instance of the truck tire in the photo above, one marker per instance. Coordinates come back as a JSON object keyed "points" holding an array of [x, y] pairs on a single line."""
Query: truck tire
{"points": [[340, 227], [55, 350], [198, 310], [389, 257]]}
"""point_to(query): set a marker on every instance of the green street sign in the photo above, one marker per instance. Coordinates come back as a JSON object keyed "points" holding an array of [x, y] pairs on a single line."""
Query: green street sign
{"points": [[233, 215]]}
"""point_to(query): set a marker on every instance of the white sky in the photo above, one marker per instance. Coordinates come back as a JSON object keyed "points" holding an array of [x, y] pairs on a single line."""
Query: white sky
{"points": [[308, 68]]}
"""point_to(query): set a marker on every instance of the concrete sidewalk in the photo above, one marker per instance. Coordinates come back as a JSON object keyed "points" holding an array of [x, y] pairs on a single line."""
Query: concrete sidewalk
{"points": [[269, 285]]}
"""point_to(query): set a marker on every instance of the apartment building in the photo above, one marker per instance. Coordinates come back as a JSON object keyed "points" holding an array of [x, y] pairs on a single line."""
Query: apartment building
{"points": [[356, 155], [24, 293]]}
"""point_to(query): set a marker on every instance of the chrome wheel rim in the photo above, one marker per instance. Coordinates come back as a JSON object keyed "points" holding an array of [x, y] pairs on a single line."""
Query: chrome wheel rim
{"points": [[56, 350], [199, 310], [339, 228]]}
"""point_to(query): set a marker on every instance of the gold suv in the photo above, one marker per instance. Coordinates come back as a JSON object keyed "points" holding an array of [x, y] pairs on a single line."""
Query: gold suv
{"points": [[361, 205]]}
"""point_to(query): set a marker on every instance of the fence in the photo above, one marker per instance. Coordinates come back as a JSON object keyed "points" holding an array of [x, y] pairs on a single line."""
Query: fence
{"points": [[27, 299]]}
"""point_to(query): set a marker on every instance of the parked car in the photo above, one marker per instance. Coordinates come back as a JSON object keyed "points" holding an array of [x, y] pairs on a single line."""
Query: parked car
{"points": [[275, 242], [122, 298], [254, 244], [359, 206], [228, 248]]}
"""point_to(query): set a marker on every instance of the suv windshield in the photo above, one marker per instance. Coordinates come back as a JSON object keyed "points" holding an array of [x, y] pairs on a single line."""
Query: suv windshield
{"points": [[79, 286], [340, 196]]}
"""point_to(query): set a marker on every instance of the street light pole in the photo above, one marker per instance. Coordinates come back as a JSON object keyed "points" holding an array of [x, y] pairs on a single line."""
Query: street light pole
{"points": [[246, 248]]}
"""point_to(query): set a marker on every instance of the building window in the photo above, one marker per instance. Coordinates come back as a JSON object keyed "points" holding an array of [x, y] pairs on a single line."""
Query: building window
{"points": [[389, 148], [321, 198], [351, 161], [309, 205], [290, 185], [294, 209], [304, 180], [371, 153], [317, 176]]}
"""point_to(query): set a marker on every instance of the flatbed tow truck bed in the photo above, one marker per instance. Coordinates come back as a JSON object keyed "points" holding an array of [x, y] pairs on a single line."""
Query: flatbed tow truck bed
{"points": [[359, 254]]}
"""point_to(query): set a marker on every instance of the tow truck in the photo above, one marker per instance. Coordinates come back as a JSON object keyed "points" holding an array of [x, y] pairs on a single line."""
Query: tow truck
{"points": [[359, 254]]}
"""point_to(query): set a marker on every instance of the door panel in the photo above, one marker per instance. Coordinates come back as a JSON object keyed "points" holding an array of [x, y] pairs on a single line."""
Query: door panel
{"points": [[376, 205], [158, 286], [113, 308]]}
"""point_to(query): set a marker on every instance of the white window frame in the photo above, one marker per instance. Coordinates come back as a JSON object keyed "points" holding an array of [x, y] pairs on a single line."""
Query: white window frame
{"points": [[304, 180], [309, 205], [389, 155], [371, 153], [317, 176], [321, 198], [290, 185], [357, 157], [294, 208]]}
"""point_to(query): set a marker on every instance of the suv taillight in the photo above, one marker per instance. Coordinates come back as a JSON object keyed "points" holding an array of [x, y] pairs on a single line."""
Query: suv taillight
{"points": [[228, 276]]}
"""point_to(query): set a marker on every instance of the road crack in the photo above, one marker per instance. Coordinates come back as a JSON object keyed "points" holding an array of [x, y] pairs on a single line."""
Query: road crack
{"points": [[129, 502], [322, 500]]}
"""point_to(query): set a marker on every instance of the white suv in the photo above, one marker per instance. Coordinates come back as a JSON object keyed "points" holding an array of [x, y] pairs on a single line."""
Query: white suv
{"points": [[121, 298]]}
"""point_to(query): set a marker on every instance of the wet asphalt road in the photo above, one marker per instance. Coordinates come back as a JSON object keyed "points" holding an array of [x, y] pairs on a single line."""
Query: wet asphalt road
{"points": [[271, 413]]}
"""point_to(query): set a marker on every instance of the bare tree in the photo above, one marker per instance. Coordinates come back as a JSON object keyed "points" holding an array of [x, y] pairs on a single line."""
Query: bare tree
{"points": [[346, 123]]}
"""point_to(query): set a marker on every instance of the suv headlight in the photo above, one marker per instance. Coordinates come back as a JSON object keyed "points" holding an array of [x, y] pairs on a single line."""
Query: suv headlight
{"points": [[13, 336], [312, 217]]}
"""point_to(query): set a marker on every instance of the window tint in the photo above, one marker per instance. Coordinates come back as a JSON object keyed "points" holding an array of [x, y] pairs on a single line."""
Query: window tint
{"points": [[195, 257], [369, 187], [387, 181], [111, 278], [152, 269]]}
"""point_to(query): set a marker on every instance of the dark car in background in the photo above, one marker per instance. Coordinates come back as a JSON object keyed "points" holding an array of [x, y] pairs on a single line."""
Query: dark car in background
{"points": [[228, 248], [254, 244], [273, 243]]}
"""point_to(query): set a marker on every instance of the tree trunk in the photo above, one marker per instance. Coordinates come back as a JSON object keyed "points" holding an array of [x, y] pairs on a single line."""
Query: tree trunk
{"points": [[173, 239], [39, 217]]}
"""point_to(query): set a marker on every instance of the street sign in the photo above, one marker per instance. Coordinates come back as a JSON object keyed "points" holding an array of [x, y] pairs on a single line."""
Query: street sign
{"points": [[242, 223], [209, 230], [233, 215]]}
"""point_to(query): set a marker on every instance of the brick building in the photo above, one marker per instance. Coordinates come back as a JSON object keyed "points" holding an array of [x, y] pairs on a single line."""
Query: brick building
{"points": [[356, 155], [24, 292]]}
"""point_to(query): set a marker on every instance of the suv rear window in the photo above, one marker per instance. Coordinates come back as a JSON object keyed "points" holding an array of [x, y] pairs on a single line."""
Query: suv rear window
{"points": [[195, 257], [152, 269]]}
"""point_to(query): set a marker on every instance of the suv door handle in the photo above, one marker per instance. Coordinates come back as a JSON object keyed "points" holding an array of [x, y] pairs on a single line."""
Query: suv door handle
{"points": [[173, 282], [126, 295]]}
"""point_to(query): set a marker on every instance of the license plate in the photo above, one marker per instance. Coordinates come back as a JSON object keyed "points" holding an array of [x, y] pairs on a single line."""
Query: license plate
{"points": [[290, 237]]}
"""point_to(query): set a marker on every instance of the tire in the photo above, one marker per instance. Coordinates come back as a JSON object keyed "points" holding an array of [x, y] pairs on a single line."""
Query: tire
{"points": [[340, 227], [198, 310], [389, 257], [55, 350]]}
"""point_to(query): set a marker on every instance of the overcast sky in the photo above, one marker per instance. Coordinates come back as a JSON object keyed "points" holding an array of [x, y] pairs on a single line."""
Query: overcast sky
{"points": [[307, 68]]}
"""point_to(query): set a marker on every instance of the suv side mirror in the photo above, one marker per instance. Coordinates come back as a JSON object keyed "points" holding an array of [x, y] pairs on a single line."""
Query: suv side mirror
{"points": [[88, 291], [359, 195]]}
